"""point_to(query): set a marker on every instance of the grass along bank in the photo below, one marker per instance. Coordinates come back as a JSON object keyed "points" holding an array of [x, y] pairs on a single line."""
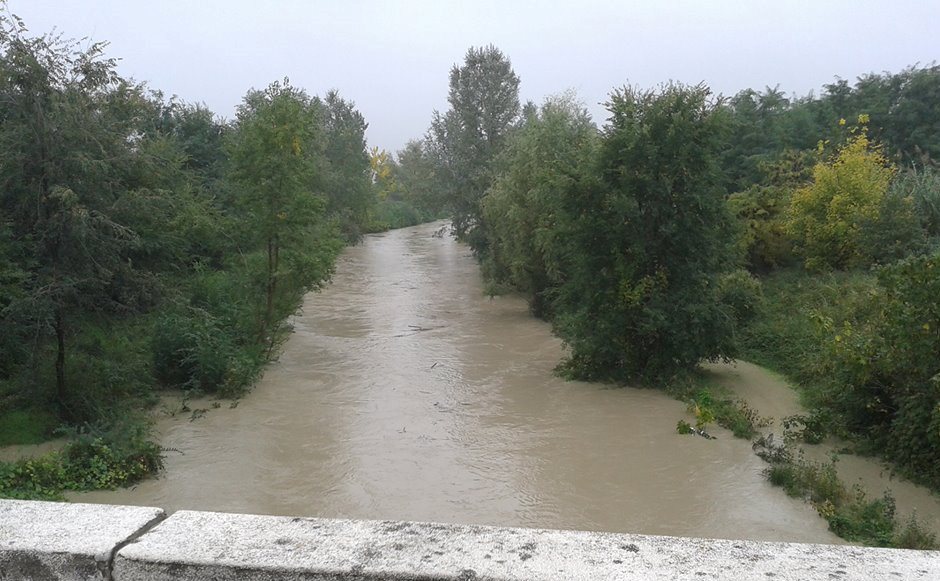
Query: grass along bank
{"points": [[851, 512]]}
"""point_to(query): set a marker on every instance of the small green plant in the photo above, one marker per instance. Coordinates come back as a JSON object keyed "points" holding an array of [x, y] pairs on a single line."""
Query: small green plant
{"points": [[684, 428], [913, 535], [709, 405], [702, 407], [862, 520]]}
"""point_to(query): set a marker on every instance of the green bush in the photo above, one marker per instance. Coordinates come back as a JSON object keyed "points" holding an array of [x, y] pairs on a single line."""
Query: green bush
{"points": [[198, 352], [761, 211], [221, 294], [93, 460], [913, 535], [867, 521], [212, 345], [120, 456], [882, 371], [741, 292], [795, 318], [894, 233], [170, 344], [923, 188]]}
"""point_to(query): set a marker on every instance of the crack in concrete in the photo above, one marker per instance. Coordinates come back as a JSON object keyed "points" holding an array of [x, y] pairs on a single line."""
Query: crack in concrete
{"points": [[108, 568]]}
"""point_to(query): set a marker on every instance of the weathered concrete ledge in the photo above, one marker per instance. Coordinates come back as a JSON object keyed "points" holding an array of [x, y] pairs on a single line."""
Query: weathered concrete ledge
{"points": [[201, 546], [56, 540]]}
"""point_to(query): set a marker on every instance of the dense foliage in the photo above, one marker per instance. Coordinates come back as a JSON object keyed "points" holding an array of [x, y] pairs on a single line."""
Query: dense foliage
{"points": [[147, 244], [828, 217], [532, 207], [652, 238]]}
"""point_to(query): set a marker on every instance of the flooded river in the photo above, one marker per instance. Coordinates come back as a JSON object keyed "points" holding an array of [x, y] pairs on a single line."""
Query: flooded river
{"points": [[405, 393]]}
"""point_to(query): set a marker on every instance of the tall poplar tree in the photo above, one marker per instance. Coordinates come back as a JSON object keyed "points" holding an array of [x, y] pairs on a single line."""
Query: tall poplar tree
{"points": [[484, 107]]}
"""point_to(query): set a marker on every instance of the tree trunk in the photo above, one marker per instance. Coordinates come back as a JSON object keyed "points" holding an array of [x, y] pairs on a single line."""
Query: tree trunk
{"points": [[60, 365], [273, 260]]}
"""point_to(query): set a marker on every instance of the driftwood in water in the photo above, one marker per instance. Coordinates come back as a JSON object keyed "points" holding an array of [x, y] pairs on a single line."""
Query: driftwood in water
{"points": [[701, 433]]}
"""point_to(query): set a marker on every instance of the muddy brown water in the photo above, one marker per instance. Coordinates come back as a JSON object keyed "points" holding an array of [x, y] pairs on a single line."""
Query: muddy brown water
{"points": [[405, 393]]}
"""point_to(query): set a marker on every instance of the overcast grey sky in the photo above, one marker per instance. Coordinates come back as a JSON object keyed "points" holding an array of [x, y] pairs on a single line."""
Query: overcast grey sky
{"points": [[392, 58]]}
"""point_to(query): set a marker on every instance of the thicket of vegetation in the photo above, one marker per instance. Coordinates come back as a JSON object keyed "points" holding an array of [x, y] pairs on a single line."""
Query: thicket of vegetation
{"points": [[800, 233], [147, 244]]}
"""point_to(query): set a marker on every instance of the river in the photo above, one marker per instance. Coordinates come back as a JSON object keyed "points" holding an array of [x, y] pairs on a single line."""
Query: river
{"points": [[405, 393]]}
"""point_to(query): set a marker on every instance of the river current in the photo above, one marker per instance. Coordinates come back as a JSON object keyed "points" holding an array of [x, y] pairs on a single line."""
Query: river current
{"points": [[406, 393]]}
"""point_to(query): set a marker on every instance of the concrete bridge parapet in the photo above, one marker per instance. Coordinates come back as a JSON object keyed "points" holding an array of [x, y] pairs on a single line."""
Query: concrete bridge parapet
{"points": [[58, 541]]}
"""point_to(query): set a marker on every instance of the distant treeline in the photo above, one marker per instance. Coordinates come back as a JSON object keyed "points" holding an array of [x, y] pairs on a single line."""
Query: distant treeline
{"points": [[802, 233], [146, 243]]}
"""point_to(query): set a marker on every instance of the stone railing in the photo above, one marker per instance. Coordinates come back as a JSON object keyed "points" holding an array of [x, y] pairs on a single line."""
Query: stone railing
{"points": [[42, 540]]}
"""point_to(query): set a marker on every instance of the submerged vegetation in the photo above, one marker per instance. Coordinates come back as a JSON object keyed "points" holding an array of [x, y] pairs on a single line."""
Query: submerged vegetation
{"points": [[710, 403], [94, 459], [851, 513]]}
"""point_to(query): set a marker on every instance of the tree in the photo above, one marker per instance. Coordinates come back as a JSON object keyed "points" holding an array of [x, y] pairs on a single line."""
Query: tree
{"points": [[275, 151], [826, 218], [201, 138], [73, 147], [13, 349], [347, 172], [650, 242], [484, 106], [384, 169], [528, 210], [913, 125], [419, 175]]}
